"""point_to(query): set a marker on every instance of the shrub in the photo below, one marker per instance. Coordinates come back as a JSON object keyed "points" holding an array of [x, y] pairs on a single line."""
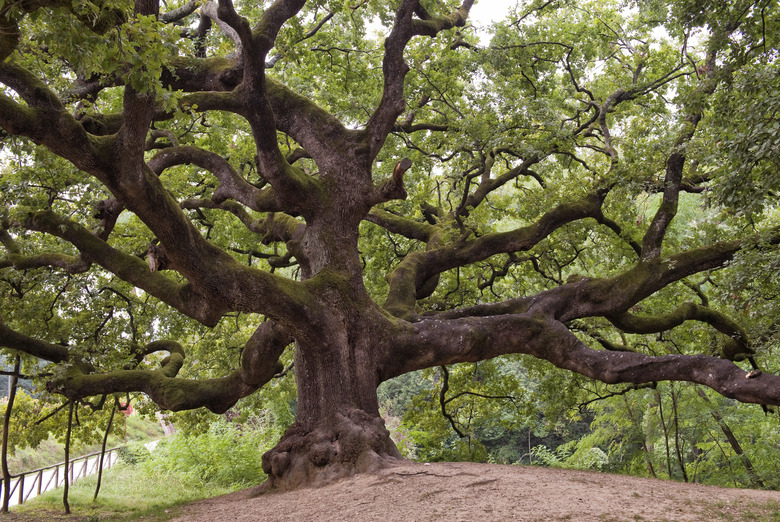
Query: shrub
{"points": [[226, 455], [133, 453]]}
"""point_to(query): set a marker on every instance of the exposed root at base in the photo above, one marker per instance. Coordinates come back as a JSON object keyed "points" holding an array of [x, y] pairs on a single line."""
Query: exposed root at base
{"points": [[350, 443]]}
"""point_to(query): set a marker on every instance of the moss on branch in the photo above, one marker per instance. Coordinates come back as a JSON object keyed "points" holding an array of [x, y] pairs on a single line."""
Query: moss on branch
{"points": [[259, 363], [431, 26], [736, 347], [14, 340]]}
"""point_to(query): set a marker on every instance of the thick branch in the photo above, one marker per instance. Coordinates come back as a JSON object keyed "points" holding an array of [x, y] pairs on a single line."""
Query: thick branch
{"points": [[402, 225], [437, 342], [417, 268], [608, 297], [22, 343], [431, 26], [231, 184], [394, 68], [211, 10], [259, 363], [71, 264], [737, 349], [174, 15]]}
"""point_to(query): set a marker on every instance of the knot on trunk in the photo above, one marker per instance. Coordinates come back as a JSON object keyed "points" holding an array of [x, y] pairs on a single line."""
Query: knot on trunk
{"points": [[393, 188]]}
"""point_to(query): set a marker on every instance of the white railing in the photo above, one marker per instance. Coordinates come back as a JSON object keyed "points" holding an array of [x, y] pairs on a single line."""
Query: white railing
{"points": [[50, 477]]}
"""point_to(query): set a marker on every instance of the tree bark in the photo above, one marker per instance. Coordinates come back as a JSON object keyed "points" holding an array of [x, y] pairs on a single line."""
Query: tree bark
{"points": [[338, 430]]}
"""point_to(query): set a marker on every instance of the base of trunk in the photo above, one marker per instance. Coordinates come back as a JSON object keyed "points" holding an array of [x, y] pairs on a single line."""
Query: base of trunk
{"points": [[351, 442]]}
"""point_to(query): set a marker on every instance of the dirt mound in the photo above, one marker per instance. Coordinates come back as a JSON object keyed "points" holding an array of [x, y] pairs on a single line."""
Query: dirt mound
{"points": [[485, 492]]}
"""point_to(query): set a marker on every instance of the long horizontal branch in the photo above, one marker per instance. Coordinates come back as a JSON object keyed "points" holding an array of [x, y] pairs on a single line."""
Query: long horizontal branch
{"points": [[632, 323], [19, 261], [401, 225], [436, 342], [20, 342]]}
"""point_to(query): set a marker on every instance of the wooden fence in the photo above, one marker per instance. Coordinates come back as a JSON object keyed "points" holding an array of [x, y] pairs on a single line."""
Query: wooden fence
{"points": [[54, 478]]}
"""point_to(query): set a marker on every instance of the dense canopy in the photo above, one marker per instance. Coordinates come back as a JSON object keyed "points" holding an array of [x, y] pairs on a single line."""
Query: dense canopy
{"points": [[190, 188]]}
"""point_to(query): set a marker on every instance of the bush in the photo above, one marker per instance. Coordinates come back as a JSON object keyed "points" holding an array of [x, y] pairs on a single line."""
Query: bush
{"points": [[226, 455], [133, 453]]}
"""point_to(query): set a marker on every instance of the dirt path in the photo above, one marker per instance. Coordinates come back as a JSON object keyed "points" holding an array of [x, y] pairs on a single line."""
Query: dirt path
{"points": [[486, 492]]}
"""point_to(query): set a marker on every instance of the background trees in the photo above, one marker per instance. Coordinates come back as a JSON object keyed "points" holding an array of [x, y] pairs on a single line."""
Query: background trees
{"points": [[591, 184]]}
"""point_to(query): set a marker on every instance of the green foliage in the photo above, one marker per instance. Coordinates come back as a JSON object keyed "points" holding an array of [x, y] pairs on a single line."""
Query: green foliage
{"points": [[227, 455], [23, 429], [127, 492], [662, 431], [182, 468], [133, 453], [526, 94], [494, 404], [747, 132]]}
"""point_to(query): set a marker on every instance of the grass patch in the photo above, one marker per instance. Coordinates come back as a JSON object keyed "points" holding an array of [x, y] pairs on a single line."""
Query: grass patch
{"points": [[128, 492], [182, 469]]}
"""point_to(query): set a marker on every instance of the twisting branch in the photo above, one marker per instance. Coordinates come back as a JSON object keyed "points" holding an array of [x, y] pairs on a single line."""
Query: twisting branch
{"points": [[394, 68], [736, 349], [417, 268], [445, 386], [231, 184], [211, 10], [259, 364]]}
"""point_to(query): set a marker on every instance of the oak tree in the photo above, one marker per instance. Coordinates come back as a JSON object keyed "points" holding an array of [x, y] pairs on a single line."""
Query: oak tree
{"points": [[384, 188]]}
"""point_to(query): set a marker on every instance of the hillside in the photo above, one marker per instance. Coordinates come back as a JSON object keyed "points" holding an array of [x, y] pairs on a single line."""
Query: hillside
{"points": [[487, 492]]}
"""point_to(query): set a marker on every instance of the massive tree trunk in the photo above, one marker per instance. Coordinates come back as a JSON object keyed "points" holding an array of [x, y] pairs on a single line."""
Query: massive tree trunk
{"points": [[338, 430]]}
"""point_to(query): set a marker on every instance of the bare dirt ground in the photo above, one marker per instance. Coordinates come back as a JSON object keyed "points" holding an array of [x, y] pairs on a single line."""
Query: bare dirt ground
{"points": [[485, 492]]}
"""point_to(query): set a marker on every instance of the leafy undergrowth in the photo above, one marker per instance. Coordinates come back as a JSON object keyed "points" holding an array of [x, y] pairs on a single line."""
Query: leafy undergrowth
{"points": [[180, 470]]}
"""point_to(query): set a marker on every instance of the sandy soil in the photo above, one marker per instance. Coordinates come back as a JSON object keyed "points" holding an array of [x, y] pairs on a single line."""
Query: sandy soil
{"points": [[484, 492]]}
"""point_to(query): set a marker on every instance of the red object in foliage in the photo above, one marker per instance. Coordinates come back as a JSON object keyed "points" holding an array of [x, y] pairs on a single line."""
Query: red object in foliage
{"points": [[127, 409]]}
